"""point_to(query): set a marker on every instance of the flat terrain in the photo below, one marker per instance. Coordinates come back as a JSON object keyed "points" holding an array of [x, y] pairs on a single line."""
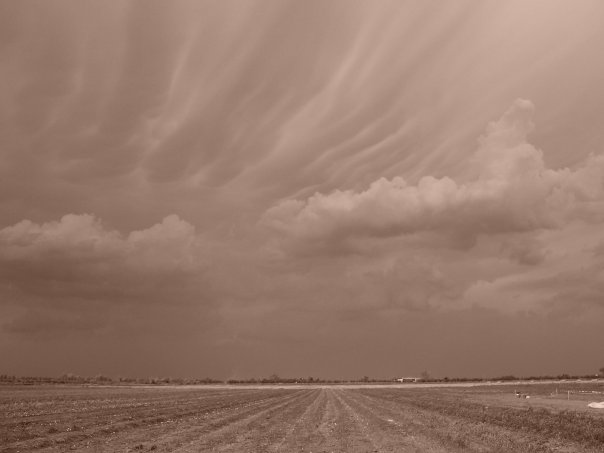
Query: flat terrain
{"points": [[302, 419]]}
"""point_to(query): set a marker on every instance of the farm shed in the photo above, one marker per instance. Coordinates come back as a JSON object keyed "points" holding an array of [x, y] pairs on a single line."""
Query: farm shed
{"points": [[409, 379]]}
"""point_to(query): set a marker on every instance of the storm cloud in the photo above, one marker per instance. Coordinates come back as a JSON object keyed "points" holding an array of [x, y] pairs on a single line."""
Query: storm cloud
{"points": [[230, 189]]}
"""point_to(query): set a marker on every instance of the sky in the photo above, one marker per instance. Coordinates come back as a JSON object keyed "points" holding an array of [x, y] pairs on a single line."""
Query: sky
{"points": [[322, 188]]}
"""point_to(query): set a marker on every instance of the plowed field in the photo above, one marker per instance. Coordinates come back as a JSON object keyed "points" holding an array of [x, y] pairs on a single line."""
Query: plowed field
{"points": [[305, 419]]}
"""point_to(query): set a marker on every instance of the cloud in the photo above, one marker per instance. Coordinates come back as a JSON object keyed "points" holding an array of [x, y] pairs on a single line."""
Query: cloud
{"points": [[566, 292], [225, 113], [525, 249], [69, 272], [82, 240], [510, 190], [565, 278]]}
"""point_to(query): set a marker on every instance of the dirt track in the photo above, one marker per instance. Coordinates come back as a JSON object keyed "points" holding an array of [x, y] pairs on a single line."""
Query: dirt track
{"points": [[252, 420]]}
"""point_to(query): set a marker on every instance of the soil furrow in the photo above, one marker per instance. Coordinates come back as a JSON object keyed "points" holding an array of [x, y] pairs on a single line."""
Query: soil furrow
{"points": [[163, 423], [249, 427], [304, 432], [291, 419], [406, 426], [457, 433]]}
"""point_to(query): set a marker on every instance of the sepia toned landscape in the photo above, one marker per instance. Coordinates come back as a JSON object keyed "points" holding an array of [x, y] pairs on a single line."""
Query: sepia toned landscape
{"points": [[302, 226], [309, 418]]}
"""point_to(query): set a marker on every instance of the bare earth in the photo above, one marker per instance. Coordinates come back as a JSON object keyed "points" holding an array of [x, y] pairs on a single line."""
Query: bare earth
{"points": [[301, 419]]}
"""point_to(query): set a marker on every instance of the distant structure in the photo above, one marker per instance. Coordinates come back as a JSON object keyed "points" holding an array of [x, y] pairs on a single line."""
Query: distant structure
{"points": [[409, 379]]}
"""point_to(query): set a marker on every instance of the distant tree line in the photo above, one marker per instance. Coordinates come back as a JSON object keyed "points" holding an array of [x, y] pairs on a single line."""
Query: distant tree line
{"points": [[100, 379], [70, 378], [559, 377], [274, 379], [511, 377]]}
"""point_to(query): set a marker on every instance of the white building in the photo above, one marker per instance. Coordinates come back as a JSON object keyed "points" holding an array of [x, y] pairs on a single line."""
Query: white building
{"points": [[409, 379]]}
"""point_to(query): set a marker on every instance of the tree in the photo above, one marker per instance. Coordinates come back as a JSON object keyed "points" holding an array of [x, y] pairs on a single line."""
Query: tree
{"points": [[602, 371]]}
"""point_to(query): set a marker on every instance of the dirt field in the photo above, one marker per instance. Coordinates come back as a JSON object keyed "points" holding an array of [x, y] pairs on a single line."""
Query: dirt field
{"points": [[302, 419]]}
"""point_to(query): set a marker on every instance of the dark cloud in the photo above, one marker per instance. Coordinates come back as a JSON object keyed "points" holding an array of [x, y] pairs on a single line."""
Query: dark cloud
{"points": [[349, 129], [69, 273]]}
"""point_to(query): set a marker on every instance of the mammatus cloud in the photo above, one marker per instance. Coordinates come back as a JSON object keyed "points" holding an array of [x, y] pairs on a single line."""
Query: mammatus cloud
{"points": [[509, 190], [61, 272]]}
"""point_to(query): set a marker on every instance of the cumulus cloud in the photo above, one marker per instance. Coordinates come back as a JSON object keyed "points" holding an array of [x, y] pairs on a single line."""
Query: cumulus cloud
{"points": [[83, 240], [511, 190], [69, 271]]}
